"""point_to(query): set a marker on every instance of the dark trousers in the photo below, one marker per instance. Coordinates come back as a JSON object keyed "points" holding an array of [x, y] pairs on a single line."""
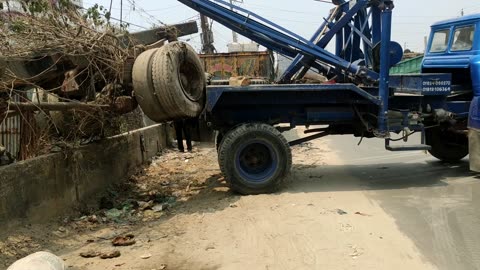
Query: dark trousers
{"points": [[182, 127]]}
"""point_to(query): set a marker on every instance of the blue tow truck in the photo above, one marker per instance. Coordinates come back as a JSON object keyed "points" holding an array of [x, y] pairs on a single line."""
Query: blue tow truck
{"points": [[360, 97]]}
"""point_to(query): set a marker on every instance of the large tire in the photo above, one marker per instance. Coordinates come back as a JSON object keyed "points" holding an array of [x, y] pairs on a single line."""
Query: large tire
{"points": [[255, 158], [179, 80], [447, 145], [218, 139], [143, 87]]}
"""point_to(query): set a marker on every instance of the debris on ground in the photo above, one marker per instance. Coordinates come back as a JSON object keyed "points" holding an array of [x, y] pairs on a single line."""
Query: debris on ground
{"points": [[17, 246], [110, 255], [341, 212], [356, 252], [146, 256], [151, 193], [362, 214], [210, 247], [113, 214], [106, 234], [92, 219], [159, 207], [121, 241], [90, 254], [145, 205], [163, 188]]}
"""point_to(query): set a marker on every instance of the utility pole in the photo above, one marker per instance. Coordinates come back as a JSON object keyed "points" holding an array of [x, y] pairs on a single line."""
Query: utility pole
{"points": [[207, 36], [121, 12], [234, 34], [462, 13]]}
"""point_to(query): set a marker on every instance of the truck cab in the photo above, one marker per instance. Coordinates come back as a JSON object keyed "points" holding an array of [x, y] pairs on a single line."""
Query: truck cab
{"points": [[454, 47]]}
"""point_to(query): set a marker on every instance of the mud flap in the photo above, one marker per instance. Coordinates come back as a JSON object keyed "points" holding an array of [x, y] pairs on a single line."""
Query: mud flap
{"points": [[474, 149]]}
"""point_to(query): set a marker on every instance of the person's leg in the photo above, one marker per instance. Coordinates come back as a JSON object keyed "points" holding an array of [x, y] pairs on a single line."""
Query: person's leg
{"points": [[188, 136], [178, 131]]}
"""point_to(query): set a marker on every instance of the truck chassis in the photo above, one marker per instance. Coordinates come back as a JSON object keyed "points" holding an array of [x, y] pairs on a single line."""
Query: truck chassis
{"points": [[360, 98]]}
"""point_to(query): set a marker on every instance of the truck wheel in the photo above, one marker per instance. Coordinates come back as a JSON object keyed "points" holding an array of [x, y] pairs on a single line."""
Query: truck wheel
{"points": [[179, 80], [143, 87], [218, 144], [218, 139], [255, 159], [447, 145]]}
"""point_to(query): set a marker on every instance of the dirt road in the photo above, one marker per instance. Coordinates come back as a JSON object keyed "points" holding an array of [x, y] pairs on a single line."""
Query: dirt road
{"points": [[314, 223], [344, 207]]}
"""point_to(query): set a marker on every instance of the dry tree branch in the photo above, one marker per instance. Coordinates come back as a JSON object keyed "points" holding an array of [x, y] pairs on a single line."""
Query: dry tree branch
{"points": [[69, 38]]}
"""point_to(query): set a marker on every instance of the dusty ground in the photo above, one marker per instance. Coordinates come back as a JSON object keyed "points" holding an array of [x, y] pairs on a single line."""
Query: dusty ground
{"points": [[319, 221]]}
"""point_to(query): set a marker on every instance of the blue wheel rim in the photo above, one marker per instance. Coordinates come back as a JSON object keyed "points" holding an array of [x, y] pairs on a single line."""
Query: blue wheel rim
{"points": [[256, 161]]}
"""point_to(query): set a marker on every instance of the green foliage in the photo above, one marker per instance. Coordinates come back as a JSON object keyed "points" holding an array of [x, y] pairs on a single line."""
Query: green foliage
{"points": [[65, 4], [18, 26], [37, 7], [96, 14], [43, 6], [100, 15]]}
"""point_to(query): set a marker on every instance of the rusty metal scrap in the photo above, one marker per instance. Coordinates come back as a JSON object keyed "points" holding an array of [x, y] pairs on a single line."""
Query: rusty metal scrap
{"points": [[251, 64]]}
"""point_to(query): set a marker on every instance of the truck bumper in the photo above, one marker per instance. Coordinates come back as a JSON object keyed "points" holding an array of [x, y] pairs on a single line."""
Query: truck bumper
{"points": [[474, 149]]}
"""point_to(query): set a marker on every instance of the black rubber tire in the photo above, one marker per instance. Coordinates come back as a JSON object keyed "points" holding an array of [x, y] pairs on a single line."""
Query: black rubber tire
{"points": [[240, 146], [179, 80], [143, 87], [218, 139], [447, 145]]}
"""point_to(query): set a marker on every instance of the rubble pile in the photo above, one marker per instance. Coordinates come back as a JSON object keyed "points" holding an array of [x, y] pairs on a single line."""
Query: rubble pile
{"points": [[63, 34], [63, 71]]}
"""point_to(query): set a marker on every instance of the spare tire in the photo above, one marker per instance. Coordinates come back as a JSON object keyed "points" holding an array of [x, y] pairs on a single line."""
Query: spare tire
{"points": [[179, 80], [169, 82], [143, 87]]}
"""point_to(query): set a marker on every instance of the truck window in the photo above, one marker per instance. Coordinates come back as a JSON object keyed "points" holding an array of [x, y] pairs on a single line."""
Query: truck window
{"points": [[463, 38], [440, 41]]}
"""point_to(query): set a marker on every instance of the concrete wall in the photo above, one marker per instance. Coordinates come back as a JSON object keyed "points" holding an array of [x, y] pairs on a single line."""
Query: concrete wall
{"points": [[48, 186]]}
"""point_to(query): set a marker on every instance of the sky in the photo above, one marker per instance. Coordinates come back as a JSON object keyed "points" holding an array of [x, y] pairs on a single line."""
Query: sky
{"points": [[411, 18]]}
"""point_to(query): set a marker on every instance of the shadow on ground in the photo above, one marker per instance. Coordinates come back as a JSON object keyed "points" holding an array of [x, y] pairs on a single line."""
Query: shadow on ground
{"points": [[327, 178]]}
